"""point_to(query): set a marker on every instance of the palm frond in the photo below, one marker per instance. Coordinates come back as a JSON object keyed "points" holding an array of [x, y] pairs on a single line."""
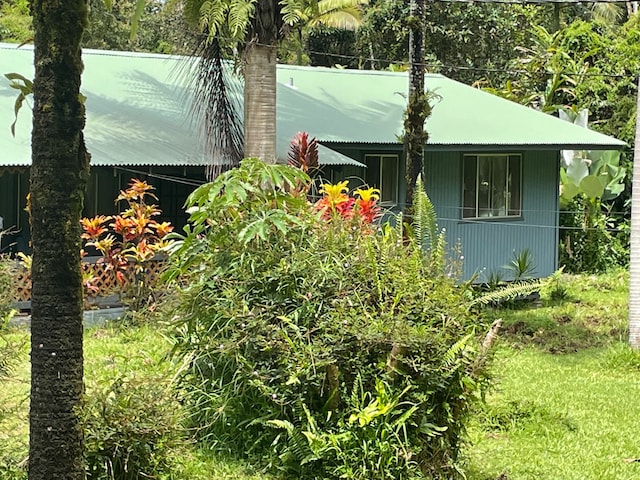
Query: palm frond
{"points": [[509, 292], [216, 110], [241, 13], [348, 19]]}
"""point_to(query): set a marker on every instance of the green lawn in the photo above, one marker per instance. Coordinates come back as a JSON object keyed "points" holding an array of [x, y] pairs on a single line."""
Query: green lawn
{"points": [[564, 406], [109, 353]]}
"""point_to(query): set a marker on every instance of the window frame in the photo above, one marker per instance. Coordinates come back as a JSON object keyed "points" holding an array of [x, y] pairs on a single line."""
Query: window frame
{"points": [[396, 187], [477, 214]]}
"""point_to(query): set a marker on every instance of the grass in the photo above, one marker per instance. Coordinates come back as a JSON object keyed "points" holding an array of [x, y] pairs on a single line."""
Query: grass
{"points": [[110, 353], [564, 406], [565, 403]]}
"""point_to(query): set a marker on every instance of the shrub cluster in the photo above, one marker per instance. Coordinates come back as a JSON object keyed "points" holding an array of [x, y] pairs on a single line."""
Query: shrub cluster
{"points": [[316, 343], [133, 428], [7, 288]]}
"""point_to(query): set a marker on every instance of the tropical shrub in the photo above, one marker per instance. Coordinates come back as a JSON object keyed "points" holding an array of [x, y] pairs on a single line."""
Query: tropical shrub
{"points": [[127, 242], [591, 241], [315, 341], [7, 288], [133, 428]]}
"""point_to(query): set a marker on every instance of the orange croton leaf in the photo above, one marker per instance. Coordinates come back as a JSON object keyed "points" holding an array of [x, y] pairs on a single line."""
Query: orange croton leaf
{"points": [[88, 281], [136, 191], [140, 225], [104, 245], [124, 226], [163, 228], [94, 227], [120, 277]]}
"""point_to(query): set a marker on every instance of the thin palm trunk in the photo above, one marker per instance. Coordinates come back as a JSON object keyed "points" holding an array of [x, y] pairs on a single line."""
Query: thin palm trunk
{"points": [[416, 110], [260, 102], [634, 276], [58, 177]]}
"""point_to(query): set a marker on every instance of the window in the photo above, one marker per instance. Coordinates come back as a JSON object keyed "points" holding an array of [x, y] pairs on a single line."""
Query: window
{"points": [[382, 173], [492, 185]]}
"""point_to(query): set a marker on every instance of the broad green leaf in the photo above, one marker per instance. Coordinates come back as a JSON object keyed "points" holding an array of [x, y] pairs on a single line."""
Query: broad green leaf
{"points": [[577, 170], [593, 185], [613, 191], [568, 191], [26, 88]]}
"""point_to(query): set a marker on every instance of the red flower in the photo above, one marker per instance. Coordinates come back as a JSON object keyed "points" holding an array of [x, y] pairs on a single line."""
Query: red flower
{"points": [[367, 209]]}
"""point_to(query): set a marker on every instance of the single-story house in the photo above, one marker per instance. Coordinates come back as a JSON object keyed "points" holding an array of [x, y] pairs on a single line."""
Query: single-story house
{"points": [[491, 166]]}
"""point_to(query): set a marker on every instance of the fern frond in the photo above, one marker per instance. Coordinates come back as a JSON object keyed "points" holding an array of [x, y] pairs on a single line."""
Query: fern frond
{"points": [[454, 351], [298, 443], [509, 292], [282, 425], [212, 17], [399, 225], [424, 217]]}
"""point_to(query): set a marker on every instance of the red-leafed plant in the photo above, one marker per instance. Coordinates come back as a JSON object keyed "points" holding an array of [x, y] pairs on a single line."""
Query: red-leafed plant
{"points": [[129, 241], [303, 153], [337, 203]]}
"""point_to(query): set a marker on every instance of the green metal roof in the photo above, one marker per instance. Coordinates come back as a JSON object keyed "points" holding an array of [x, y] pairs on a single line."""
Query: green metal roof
{"points": [[367, 107], [137, 112]]}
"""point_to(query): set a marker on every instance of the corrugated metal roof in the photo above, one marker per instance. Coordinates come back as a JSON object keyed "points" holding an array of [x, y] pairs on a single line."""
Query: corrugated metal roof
{"points": [[137, 112], [367, 107]]}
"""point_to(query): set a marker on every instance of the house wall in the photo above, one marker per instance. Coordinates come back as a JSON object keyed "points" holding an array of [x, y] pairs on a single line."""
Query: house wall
{"points": [[14, 186], [485, 245], [172, 186], [488, 245]]}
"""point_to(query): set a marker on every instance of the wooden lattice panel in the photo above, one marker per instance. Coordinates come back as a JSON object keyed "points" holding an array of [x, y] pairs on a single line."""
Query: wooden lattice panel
{"points": [[104, 278], [23, 284]]}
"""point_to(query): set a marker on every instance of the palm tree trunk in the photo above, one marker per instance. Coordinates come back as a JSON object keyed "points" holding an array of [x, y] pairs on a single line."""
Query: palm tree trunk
{"points": [[260, 102], [634, 276], [58, 177]]}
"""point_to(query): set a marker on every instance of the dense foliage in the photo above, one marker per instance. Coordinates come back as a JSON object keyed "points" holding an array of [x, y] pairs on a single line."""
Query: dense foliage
{"points": [[7, 287], [127, 243], [133, 427], [314, 342]]}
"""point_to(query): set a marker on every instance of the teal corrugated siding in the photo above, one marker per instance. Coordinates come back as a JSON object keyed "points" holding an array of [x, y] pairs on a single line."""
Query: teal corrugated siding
{"points": [[488, 245]]}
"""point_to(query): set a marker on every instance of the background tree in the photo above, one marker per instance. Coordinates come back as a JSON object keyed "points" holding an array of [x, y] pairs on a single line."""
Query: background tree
{"points": [[418, 108], [15, 21], [305, 16], [634, 275], [59, 173], [252, 27]]}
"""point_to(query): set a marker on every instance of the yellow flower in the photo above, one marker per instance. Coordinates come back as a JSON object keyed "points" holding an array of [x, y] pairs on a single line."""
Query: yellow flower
{"points": [[334, 191], [368, 194]]}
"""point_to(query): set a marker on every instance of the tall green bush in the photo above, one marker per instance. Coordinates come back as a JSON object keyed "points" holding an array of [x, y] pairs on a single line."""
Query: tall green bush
{"points": [[316, 343], [133, 428], [7, 288]]}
